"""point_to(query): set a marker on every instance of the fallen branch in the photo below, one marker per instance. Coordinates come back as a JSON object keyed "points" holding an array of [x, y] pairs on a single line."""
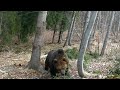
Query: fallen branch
{"points": [[2, 71]]}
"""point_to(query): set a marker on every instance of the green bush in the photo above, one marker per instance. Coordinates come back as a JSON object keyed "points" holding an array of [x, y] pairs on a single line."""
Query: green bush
{"points": [[113, 77], [95, 55], [72, 53], [87, 57], [20, 24], [116, 69]]}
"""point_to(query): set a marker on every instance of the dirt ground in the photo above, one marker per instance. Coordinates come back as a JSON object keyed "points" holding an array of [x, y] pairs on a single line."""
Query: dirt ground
{"points": [[13, 66]]}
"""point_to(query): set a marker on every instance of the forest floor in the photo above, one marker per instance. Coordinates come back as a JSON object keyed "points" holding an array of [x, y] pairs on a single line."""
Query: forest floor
{"points": [[13, 66], [13, 63]]}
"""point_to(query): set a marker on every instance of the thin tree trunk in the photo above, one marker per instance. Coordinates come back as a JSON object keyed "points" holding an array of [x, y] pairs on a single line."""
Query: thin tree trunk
{"points": [[98, 42], [92, 33], [84, 43], [113, 30], [53, 36], [72, 29], [107, 34], [118, 29], [34, 62], [60, 36], [90, 40], [86, 22], [105, 25], [1, 22], [69, 30], [99, 28], [87, 19]]}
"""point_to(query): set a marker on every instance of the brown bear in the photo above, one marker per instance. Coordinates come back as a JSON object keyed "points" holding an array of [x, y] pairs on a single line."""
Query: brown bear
{"points": [[57, 62]]}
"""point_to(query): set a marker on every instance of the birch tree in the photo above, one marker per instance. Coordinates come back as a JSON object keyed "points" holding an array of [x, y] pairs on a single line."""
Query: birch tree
{"points": [[87, 19], [107, 34], [84, 43], [72, 29], [34, 62], [93, 31]]}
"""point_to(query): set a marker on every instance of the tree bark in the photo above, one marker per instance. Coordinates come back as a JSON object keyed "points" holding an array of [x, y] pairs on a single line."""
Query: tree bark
{"points": [[99, 28], [118, 28], [93, 32], [107, 34], [34, 62], [60, 36], [87, 19], [72, 29], [1, 20], [53, 35], [90, 40], [105, 25], [84, 43], [68, 35]]}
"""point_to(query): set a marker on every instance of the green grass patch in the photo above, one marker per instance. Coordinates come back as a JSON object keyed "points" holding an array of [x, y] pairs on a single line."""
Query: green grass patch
{"points": [[95, 55], [115, 71], [73, 54], [97, 71]]}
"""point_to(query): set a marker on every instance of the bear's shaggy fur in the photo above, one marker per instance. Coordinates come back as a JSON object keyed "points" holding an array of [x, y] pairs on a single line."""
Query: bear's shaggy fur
{"points": [[57, 62]]}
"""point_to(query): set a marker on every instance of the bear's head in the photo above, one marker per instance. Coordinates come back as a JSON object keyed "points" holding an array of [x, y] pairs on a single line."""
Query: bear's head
{"points": [[61, 65]]}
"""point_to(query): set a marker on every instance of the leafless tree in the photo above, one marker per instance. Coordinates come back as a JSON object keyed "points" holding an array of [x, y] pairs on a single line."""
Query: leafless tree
{"points": [[84, 43], [107, 34]]}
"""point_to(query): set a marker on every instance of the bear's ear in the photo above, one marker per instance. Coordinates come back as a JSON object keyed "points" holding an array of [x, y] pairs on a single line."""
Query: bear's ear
{"points": [[64, 58], [55, 60]]}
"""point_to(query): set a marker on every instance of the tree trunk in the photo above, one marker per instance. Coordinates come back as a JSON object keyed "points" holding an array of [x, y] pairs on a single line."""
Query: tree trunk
{"points": [[87, 19], [72, 29], [53, 35], [105, 25], [86, 24], [118, 29], [60, 36], [107, 34], [93, 31], [98, 42], [68, 35], [1, 20], [84, 43], [34, 62], [99, 28], [90, 40]]}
